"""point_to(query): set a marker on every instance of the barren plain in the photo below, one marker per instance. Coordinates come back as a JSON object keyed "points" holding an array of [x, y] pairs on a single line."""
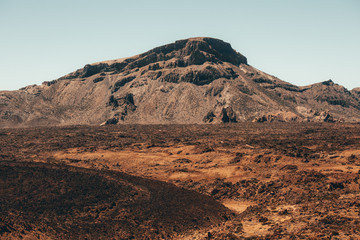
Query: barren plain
{"points": [[222, 181]]}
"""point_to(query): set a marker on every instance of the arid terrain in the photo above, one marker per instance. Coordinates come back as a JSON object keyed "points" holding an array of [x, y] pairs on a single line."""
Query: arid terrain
{"points": [[184, 141], [221, 181], [192, 81]]}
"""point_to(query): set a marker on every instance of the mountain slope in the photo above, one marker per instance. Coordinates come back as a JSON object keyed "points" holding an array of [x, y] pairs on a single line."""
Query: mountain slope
{"points": [[197, 80]]}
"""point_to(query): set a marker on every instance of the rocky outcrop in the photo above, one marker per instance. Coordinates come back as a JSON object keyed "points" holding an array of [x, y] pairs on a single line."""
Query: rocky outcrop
{"points": [[121, 107], [195, 51], [228, 115], [279, 117]]}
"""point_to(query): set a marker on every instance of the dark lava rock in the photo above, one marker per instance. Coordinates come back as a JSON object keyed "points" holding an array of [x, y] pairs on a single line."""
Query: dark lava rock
{"points": [[336, 185], [328, 83], [228, 115], [98, 79], [63, 202], [121, 83], [209, 117], [113, 102], [111, 121], [182, 160], [128, 100], [216, 51]]}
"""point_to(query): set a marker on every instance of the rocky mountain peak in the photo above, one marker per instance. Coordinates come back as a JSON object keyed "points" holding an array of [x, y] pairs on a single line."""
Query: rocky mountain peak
{"points": [[182, 53], [328, 83], [199, 50]]}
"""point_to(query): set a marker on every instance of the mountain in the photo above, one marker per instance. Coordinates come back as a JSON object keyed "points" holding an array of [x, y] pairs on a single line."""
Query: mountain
{"points": [[196, 80]]}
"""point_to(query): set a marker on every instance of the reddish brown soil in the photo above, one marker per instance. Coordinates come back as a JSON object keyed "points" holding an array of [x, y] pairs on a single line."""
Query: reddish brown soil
{"points": [[282, 180]]}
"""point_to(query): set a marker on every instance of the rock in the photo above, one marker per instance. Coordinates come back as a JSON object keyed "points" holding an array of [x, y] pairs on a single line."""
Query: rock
{"points": [[98, 79], [290, 167], [336, 185], [216, 51], [197, 58], [228, 115], [113, 102], [128, 100], [329, 118], [90, 70], [121, 83], [324, 116], [182, 160], [261, 119], [50, 83], [111, 121], [328, 83], [209, 117]]}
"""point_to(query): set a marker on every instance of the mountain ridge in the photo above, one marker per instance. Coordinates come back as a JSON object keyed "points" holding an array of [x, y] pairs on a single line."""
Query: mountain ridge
{"points": [[196, 80]]}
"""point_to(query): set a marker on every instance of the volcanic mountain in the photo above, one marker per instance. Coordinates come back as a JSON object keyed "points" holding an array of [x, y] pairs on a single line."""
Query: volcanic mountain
{"points": [[197, 80]]}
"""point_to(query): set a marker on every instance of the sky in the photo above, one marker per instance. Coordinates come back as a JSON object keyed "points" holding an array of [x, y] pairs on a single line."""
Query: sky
{"points": [[301, 42]]}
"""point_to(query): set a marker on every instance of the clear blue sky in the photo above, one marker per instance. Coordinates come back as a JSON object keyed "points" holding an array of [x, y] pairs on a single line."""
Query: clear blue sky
{"points": [[301, 42]]}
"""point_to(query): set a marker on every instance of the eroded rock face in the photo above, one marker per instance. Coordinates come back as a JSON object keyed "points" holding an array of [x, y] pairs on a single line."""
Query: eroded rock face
{"points": [[195, 51], [228, 115], [122, 106], [203, 76], [199, 50]]}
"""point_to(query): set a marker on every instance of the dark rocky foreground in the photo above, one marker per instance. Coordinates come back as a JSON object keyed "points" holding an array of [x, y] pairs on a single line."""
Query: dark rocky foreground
{"points": [[61, 202], [281, 181]]}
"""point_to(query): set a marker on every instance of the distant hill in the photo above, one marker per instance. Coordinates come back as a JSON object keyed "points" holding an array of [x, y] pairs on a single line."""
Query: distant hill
{"points": [[197, 80]]}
